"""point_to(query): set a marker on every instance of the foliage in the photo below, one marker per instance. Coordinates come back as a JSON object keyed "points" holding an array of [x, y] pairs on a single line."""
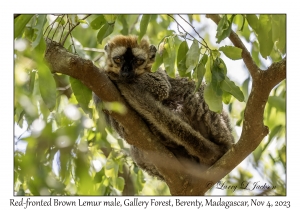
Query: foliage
{"points": [[66, 148]]}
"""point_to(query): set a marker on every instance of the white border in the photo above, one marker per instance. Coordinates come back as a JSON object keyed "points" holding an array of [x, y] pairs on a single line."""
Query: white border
{"points": [[154, 6]]}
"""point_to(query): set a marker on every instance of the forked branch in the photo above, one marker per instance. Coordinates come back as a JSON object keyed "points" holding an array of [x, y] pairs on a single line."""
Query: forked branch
{"points": [[254, 129]]}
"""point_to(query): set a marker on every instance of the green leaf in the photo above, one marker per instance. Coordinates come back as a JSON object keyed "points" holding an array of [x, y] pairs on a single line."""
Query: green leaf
{"points": [[222, 65], [32, 81], [282, 155], [125, 29], [166, 62], [253, 21], [257, 154], [111, 168], [120, 183], [83, 21], [181, 58], [190, 16], [243, 24], [192, 56], [255, 52], [115, 107], [213, 100], [245, 88], [169, 56], [158, 61], [82, 93], [274, 162], [241, 118], [223, 29], [29, 33], [272, 134], [19, 120], [231, 52], [218, 75], [276, 53], [215, 54], [104, 187], [64, 159], [71, 131], [245, 30], [60, 21], [47, 85], [172, 56], [143, 25], [105, 31], [208, 69], [265, 35], [195, 17], [279, 32], [226, 97], [99, 176], [204, 59], [278, 102], [39, 28], [39, 50], [98, 22], [200, 70], [110, 18], [20, 24], [32, 186], [231, 88], [21, 191], [140, 179]]}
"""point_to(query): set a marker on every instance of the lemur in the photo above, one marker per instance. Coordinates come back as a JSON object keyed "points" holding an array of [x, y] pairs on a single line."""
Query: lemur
{"points": [[176, 114]]}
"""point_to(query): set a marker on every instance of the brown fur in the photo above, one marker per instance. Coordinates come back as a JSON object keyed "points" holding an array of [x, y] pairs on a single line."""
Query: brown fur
{"points": [[143, 49], [128, 41], [179, 117]]}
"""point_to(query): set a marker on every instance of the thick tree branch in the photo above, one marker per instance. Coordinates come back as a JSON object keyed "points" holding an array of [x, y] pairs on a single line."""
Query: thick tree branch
{"points": [[61, 61], [275, 73], [253, 128]]}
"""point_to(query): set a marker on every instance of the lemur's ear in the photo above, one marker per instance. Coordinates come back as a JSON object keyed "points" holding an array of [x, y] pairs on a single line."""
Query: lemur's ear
{"points": [[152, 52]]}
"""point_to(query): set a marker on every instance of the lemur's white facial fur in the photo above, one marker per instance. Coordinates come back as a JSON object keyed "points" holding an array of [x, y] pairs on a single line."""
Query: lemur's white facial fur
{"points": [[127, 58]]}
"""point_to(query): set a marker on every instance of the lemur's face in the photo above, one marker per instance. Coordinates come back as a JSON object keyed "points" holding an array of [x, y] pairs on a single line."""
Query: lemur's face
{"points": [[127, 58]]}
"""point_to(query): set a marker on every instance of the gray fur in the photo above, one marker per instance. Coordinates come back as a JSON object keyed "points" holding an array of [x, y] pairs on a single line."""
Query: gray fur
{"points": [[179, 117]]}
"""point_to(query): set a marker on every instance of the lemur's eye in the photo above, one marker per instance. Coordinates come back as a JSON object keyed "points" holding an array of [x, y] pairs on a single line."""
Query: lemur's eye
{"points": [[140, 61], [117, 60]]}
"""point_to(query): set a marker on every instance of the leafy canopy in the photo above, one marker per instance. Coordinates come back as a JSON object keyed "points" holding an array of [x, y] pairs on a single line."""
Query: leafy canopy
{"points": [[66, 148]]}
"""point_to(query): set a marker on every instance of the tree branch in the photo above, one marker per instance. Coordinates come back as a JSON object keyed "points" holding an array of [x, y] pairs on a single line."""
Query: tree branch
{"points": [[61, 61], [71, 29], [204, 45], [253, 128], [236, 41]]}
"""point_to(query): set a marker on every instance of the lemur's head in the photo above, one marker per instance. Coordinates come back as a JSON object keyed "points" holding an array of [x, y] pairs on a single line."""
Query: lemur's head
{"points": [[127, 59]]}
